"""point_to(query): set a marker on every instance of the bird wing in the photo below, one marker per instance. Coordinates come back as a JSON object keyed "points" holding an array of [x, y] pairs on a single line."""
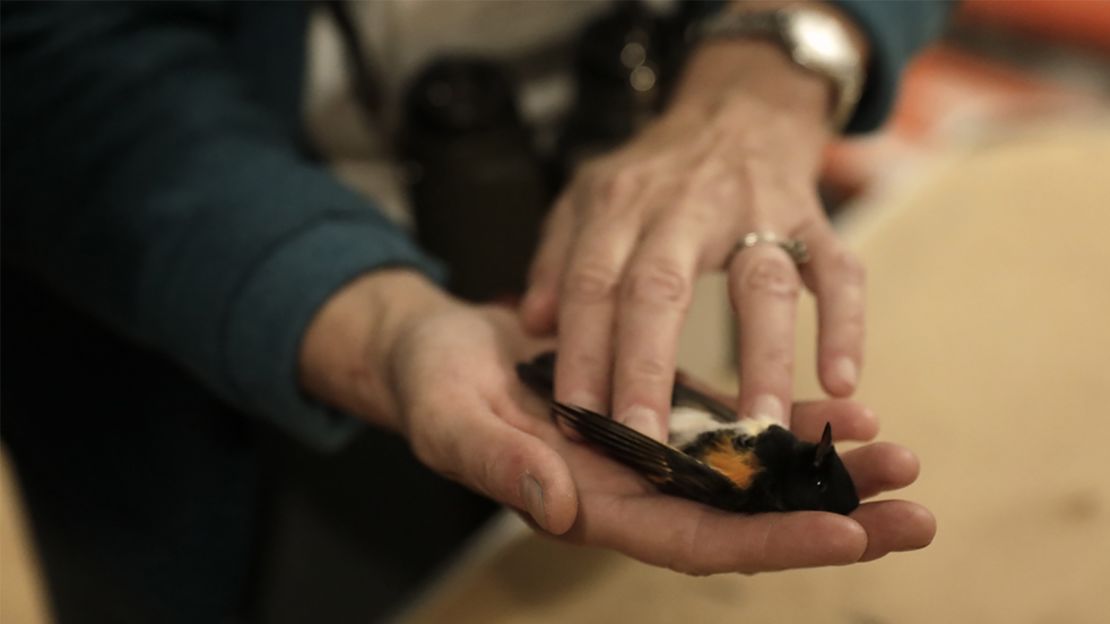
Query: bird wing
{"points": [[671, 470], [539, 374]]}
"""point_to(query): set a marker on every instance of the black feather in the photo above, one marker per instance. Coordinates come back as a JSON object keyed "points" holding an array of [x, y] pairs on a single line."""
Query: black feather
{"points": [[792, 474], [670, 469]]}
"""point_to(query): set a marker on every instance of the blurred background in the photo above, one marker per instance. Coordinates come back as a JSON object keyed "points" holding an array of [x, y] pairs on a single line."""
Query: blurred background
{"points": [[982, 211]]}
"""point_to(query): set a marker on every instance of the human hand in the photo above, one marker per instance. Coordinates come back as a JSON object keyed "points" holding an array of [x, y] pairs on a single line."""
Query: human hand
{"points": [[627, 239], [449, 370], [469, 418], [620, 510]]}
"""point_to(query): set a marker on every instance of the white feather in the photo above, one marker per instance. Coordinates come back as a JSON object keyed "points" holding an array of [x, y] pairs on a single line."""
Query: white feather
{"points": [[687, 423]]}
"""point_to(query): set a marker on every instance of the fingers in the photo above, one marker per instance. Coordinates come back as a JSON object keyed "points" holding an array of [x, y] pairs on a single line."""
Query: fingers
{"points": [[894, 526], [881, 467], [654, 297], [763, 288], [694, 539], [587, 305], [688, 380], [849, 420], [836, 277], [539, 308], [475, 447], [690, 538]]}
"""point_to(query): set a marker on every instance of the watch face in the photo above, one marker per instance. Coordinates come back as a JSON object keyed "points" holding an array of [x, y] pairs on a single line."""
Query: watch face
{"points": [[819, 40]]}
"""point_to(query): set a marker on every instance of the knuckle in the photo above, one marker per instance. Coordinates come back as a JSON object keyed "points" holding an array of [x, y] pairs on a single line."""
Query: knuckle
{"points": [[591, 283], [846, 336], [771, 274], [622, 184], [649, 369], [707, 214], [849, 266], [658, 282], [813, 226], [719, 180], [777, 360], [854, 322], [589, 363], [717, 176]]}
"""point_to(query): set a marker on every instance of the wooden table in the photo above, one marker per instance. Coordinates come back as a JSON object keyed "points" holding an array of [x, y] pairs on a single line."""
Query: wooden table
{"points": [[988, 353]]}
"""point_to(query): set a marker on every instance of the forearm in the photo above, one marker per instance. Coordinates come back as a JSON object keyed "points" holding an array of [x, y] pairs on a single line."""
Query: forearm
{"points": [[185, 218]]}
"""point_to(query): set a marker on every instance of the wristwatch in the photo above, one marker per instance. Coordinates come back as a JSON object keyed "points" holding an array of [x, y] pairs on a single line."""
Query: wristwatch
{"points": [[815, 40]]}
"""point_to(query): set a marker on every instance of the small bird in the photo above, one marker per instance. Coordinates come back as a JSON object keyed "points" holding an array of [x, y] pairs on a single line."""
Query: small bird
{"points": [[748, 466]]}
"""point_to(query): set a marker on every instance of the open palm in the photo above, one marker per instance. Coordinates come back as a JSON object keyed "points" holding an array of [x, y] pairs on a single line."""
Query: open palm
{"points": [[468, 417]]}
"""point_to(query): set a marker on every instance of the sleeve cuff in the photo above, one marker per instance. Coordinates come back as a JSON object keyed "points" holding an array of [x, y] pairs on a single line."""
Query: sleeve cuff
{"points": [[896, 30]]}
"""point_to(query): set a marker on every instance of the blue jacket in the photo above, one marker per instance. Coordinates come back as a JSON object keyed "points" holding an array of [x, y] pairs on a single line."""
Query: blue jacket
{"points": [[166, 239], [154, 178]]}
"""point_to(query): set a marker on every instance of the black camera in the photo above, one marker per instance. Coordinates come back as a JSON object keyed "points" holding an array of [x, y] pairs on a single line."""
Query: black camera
{"points": [[478, 188]]}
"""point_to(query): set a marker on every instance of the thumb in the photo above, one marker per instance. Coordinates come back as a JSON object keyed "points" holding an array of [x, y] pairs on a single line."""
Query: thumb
{"points": [[510, 466], [522, 471]]}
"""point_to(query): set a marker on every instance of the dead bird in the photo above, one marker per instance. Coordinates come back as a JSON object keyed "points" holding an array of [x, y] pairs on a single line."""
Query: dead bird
{"points": [[748, 466]]}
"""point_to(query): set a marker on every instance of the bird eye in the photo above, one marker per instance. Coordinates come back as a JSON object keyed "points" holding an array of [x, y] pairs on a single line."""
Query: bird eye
{"points": [[822, 485]]}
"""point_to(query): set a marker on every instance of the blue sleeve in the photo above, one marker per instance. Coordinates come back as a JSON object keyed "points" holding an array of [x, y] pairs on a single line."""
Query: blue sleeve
{"points": [[897, 31], [143, 184]]}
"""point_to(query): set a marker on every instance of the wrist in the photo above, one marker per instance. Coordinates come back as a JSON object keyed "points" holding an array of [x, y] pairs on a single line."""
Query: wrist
{"points": [[348, 346], [740, 55], [721, 72]]}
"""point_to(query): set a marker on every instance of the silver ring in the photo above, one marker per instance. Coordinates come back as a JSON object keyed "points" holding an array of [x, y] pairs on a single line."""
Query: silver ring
{"points": [[793, 247]]}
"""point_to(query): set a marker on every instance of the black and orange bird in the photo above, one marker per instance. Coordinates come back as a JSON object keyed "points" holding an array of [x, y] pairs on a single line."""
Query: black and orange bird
{"points": [[747, 466]]}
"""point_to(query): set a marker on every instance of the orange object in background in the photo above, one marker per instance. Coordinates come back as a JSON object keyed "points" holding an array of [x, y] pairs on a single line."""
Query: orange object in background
{"points": [[1081, 22], [947, 95]]}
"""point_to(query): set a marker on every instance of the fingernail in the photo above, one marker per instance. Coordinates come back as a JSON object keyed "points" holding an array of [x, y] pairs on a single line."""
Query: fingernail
{"points": [[846, 370], [643, 420], [532, 494], [767, 406]]}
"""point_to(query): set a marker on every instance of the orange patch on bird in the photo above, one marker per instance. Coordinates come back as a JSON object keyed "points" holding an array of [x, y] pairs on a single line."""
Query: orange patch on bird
{"points": [[739, 466]]}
